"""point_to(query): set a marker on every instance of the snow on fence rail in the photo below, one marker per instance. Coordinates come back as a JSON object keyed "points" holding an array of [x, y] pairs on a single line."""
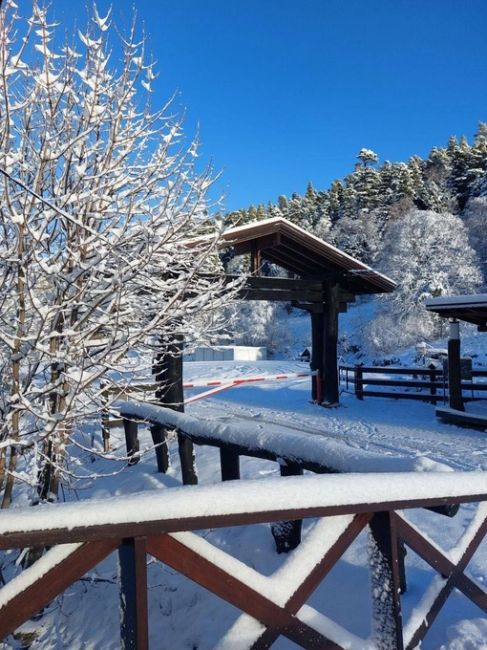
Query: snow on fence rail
{"points": [[158, 525], [431, 380]]}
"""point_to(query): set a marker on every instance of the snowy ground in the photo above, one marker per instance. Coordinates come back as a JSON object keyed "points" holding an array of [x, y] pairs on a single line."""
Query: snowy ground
{"points": [[184, 616]]}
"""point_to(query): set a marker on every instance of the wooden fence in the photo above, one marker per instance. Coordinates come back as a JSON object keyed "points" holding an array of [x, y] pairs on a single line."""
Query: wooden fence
{"points": [[173, 512], [426, 384]]}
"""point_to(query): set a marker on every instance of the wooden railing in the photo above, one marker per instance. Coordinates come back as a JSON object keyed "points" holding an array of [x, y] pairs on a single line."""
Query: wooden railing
{"points": [[157, 524], [430, 384]]}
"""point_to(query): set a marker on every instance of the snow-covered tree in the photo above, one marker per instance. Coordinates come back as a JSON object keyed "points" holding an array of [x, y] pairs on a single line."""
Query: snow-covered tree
{"points": [[475, 218], [367, 157], [98, 200], [428, 255]]}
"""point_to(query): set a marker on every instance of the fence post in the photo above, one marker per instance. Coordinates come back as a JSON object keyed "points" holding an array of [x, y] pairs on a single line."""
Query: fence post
{"points": [[131, 440], [433, 375], [386, 582], [105, 416], [133, 594], [159, 438], [229, 463], [358, 381], [287, 534]]}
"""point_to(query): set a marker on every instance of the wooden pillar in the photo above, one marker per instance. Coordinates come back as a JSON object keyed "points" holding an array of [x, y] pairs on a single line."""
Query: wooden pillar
{"points": [[386, 583], [454, 372], [316, 349], [287, 534], [330, 380], [131, 440], [229, 463], [255, 258], [133, 594], [168, 370]]}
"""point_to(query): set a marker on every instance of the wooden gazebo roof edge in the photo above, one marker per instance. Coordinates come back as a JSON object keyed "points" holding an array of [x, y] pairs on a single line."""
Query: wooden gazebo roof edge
{"points": [[331, 254], [470, 308]]}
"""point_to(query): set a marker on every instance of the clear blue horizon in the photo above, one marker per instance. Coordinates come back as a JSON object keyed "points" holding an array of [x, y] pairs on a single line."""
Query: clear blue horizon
{"points": [[285, 93]]}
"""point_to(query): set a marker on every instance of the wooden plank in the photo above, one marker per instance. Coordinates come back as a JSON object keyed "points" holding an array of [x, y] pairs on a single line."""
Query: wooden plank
{"points": [[227, 586], [377, 393], [404, 383], [23, 606], [20, 539]]}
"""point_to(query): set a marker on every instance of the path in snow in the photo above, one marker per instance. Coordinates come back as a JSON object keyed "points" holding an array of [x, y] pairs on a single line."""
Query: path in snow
{"points": [[375, 424]]}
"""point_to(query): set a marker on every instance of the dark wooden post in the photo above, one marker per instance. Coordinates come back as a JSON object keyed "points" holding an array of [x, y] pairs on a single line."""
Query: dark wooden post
{"points": [[287, 534], [229, 463], [133, 594], [358, 381], [159, 438], [330, 382], [131, 440], [255, 258], [433, 376], [385, 569], [316, 349], [168, 371], [454, 372]]}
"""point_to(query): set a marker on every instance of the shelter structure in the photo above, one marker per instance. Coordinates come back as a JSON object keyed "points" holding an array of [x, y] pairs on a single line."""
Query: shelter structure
{"points": [[471, 309], [322, 280]]}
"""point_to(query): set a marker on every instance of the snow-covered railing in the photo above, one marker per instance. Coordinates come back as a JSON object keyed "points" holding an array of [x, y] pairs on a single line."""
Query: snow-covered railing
{"points": [[158, 524], [293, 451]]}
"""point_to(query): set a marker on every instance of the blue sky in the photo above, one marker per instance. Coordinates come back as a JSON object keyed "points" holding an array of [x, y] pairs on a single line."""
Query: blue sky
{"points": [[288, 91]]}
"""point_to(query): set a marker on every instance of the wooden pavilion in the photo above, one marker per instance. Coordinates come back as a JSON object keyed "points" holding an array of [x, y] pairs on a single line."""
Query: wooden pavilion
{"points": [[324, 281], [471, 309]]}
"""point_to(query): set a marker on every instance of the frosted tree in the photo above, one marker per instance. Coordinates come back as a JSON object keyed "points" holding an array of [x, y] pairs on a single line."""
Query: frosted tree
{"points": [[475, 219], [428, 255], [99, 197]]}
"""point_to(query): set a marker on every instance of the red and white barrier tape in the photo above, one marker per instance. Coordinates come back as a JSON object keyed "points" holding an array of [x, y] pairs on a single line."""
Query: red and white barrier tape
{"points": [[219, 386], [207, 383]]}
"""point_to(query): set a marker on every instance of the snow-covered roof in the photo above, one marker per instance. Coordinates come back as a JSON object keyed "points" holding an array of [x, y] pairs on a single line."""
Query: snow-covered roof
{"points": [[297, 250], [472, 309], [293, 248]]}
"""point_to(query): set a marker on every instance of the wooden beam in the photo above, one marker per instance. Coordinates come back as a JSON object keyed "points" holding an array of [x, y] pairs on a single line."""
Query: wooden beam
{"points": [[37, 595], [279, 295]]}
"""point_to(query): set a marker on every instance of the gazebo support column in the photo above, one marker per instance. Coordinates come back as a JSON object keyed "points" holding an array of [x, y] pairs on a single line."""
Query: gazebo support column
{"points": [[317, 351], [329, 374], [454, 371]]}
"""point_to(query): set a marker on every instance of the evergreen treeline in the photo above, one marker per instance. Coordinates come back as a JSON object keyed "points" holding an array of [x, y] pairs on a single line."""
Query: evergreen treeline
{"points": [[354, 212]]}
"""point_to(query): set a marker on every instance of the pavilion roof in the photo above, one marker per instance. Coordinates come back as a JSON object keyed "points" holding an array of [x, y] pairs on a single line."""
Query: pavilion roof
{"points": [[472, 309], [296, 250]]}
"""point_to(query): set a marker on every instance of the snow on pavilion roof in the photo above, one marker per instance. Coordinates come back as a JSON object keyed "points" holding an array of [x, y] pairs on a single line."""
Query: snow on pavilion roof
{"points": [[290, 247], [472, 309]]}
